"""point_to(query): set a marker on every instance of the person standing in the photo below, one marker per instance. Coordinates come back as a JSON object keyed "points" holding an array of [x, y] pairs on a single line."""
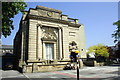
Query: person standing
{"points": [[74, 55]]}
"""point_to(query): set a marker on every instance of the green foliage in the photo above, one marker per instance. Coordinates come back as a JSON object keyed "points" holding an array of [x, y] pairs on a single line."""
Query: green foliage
{"points": [[116, 33], [9, 10], [99, 50]]}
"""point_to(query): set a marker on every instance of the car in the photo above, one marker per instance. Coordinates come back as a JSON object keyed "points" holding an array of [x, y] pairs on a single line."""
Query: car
{"points": [[9, 66]]}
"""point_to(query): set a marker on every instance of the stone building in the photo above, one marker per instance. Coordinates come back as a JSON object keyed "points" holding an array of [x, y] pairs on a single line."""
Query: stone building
{"points": [[44, 39], [7, 57]]}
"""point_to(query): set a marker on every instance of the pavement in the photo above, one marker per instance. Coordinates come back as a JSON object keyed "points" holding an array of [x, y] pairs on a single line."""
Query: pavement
{"points": [[87, 73]]}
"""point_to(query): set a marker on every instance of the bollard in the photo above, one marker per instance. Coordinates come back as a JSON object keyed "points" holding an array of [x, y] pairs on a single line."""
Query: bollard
{"points": [[77, 73]]}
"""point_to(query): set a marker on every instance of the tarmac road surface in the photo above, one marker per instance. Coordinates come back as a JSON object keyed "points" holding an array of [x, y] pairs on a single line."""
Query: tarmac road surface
{"points": [[87, 73]]}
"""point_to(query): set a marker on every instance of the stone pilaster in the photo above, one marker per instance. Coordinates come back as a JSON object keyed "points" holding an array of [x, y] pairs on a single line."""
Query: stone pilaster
{"points": [[55, 51], [44, 52], [22, 61], [32, 48], [39, 44], [60, 44], [65, 42]]}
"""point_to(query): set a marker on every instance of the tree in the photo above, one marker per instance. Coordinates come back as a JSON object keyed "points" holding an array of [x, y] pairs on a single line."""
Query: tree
{"points": [[99, 50], [9, 10], [116, 33]]}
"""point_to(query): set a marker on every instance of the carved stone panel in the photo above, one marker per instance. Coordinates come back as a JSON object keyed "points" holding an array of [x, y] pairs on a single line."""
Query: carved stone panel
{"points": [[48, 14], [49, 33]]}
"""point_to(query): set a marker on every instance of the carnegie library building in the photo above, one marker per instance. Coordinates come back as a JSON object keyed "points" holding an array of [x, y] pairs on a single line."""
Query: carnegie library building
{"points": [[44, 40]]}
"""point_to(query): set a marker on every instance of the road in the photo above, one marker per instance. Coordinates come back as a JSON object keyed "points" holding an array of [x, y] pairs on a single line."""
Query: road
{"points": [[87, 73]]}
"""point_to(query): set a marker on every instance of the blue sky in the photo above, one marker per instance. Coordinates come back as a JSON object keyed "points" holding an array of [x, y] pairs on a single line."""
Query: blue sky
{"points": [[97, 17]]}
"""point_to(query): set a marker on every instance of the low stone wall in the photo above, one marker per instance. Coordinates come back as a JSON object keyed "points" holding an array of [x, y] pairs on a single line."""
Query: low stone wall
{"points": [[93, 63], [40, 67], [44, 68], [89, 63], [28, 69]]}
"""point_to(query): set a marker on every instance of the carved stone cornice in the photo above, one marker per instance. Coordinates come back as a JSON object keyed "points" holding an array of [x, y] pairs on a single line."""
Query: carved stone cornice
{"points": [[53, 20]]}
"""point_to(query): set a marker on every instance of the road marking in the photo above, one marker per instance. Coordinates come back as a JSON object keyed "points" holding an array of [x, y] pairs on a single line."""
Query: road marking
{"points": [[53, 77], [26, 76], [66, 74], [75, 76]]}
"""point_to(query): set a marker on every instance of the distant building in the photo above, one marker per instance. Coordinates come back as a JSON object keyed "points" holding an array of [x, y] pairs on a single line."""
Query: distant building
{"points": [[44, 39], [7, 49], [114, 51], [7, 56], [117, 46]]}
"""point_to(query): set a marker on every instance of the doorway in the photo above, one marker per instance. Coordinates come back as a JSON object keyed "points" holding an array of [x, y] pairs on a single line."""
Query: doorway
{"points": [[49, 50]]}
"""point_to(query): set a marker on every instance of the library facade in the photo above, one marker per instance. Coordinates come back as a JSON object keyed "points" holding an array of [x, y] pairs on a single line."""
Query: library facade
{"points": [[43, 41]]}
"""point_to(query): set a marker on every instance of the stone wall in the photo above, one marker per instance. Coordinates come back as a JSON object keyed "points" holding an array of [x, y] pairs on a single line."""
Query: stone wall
{"points": [[46, 25], [32, 46]]}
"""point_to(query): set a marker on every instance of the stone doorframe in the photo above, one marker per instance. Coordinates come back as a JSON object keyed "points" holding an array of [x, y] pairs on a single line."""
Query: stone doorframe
{"points": [[60, 43], [43, 49]]}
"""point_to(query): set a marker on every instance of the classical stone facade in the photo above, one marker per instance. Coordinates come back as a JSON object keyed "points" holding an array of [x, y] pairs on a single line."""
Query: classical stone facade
{"points": [[44, 39]]}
